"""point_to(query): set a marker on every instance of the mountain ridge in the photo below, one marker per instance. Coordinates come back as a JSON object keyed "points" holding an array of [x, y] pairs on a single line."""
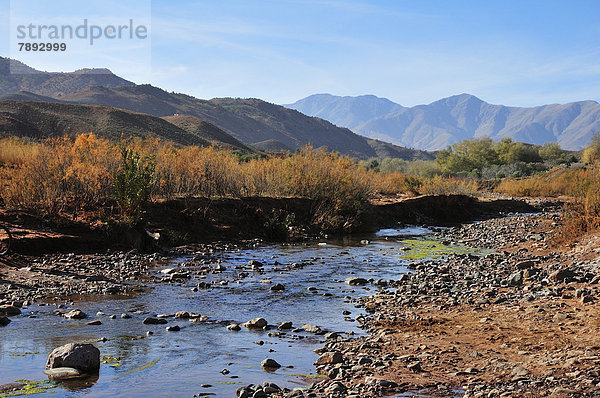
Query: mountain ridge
{"points": [[249, 121], [15, 76], [40, 120], [449, 120], [252, 121]]}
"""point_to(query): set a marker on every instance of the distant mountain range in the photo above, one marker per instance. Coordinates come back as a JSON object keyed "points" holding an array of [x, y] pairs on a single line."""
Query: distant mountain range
{"points": [[39, 100], [449, 120]]}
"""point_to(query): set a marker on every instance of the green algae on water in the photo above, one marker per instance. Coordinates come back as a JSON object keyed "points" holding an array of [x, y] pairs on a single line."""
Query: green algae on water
{"points": [[136, 370], [31, 388], [23, 354], [309, 377], [420, 249], [115, 362]]}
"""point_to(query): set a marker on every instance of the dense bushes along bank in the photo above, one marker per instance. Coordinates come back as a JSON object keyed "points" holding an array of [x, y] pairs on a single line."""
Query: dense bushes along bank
{"points": [[84, 174]]}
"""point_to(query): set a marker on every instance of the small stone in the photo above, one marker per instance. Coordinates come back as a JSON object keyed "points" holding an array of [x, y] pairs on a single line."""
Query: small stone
{"points": [[285, 325], [414, 367], [173, 328], [562, 275], [278, 287], [330, 358], [9, 310], [354, 281], [560, 317], [154, 321], [94, 323], [520, 371], [4, 321], [76, 314], [312, 329], [370, 380], [11, 387], [515, 279], [256, 323], [234, 327], [563, 391], [270, 364]]}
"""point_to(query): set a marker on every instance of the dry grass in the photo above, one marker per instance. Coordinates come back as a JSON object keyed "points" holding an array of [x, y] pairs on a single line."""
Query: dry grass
{"points": [[582, 213], [395, 183], [438, 185], [582, 216], [79, 174], [52, 175], [16, 151], [556, 182]]}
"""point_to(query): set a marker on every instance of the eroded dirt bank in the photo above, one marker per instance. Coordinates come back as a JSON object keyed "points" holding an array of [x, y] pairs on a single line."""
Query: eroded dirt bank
{"points": [[200, 220], [523, 322]]}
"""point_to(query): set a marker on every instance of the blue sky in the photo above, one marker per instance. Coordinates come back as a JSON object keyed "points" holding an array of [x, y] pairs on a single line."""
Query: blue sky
{"points": [[520, 53]]}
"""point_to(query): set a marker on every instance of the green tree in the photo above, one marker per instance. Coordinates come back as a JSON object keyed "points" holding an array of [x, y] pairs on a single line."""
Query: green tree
{"points": [[372, 164], [512, 152], [551, 152], [132, 184], [467, 156]]}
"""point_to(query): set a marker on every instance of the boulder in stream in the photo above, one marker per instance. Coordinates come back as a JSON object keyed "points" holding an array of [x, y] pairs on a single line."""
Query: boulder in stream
{"points": [[81, 356]]}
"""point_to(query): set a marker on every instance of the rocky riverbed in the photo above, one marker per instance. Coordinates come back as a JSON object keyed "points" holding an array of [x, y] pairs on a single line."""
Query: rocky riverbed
{"points": [[516, 317], [36, 278], [522, 321]]}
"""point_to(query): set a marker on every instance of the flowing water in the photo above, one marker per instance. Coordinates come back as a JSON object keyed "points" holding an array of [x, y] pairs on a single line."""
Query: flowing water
{"points": [[191, 361]]}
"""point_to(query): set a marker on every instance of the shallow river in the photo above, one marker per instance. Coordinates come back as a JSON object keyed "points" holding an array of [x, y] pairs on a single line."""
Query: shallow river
{"points": [[180, 363]]}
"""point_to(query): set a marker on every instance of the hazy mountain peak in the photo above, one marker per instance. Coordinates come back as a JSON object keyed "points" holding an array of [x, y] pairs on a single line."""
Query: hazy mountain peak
{"points": [[346, 111], [454, 100], [462, 116]]}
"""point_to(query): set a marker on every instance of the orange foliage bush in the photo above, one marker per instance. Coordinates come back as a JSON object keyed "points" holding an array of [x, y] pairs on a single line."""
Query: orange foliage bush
{"points": [[79, 173], [438, 185], [395, 183], [557, 182], [58, 171]]}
